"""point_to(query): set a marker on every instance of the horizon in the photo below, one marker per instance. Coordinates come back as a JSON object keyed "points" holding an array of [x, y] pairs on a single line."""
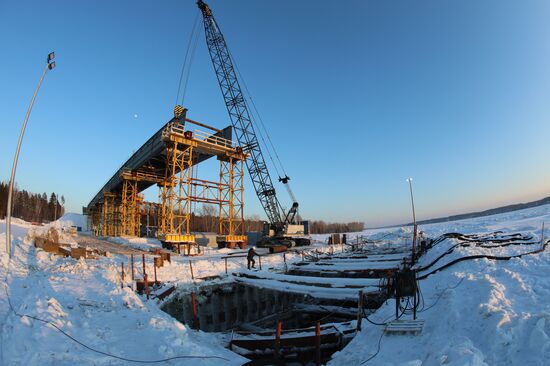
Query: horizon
{"points": [[453, 96]]}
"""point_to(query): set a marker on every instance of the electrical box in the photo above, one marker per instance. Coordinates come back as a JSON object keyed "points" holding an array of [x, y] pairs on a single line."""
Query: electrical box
{"points": [[405, 282]]}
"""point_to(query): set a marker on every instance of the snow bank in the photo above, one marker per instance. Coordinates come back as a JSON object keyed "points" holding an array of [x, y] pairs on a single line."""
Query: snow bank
{"points": [[138, 243], [85, 300], [478, 312], [73, 219]]}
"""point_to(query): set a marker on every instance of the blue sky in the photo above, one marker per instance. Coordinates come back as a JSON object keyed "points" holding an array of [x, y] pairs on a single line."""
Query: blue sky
{"points": [[357, 96]]}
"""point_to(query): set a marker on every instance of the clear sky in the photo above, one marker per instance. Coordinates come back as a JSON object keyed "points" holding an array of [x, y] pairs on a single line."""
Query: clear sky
{"points": [[357, 96]]}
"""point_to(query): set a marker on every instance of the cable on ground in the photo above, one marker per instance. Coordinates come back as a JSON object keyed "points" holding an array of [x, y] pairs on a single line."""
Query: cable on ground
{"points": [[47, 322]]}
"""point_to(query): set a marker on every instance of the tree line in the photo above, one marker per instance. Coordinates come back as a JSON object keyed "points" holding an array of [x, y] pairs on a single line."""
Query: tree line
{"points": [[207, 220], [321, 227], [33, 207]]}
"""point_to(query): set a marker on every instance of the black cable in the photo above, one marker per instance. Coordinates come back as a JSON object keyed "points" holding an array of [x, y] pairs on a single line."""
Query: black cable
{"points": [[441, 295], [190, 64], [375, 323], [421, 294], [47, 322], [479, 241], [187, 54], [385, 321], [377, 350], [480, 256]]}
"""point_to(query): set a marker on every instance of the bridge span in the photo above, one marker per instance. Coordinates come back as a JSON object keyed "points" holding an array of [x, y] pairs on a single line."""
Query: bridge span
{"points": [[167, 159]]}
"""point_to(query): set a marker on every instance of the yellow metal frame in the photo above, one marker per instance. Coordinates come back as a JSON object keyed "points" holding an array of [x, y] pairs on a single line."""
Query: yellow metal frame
{"points": [[175, 193], [179, 239], [130, 205], [231, 209], [110, 225], [94, 219], [178, 190]]}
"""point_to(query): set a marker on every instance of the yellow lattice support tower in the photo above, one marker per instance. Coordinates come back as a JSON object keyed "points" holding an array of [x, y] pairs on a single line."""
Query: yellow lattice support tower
{"points": [[94, 219], [110, 220], [130, 205], [231, 208], [175, 195], [238, 198], [168, 160]]}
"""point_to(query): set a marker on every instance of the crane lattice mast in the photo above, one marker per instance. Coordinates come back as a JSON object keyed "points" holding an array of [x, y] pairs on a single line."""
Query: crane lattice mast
{"points": [[240, 117]]}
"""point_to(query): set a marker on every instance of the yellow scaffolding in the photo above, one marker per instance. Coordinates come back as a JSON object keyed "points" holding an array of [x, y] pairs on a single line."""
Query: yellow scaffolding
{"points": [[94, 219], [119, 212], [231, 193], [110, 225], [175, 195], [130, 205], [180, 189]]}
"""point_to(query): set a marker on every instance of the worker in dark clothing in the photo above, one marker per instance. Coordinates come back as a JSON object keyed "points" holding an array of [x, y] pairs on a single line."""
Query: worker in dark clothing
{"points": [[250, 257], [344, 239]]}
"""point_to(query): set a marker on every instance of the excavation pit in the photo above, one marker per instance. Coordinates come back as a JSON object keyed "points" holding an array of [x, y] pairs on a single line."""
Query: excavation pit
{"points": [[236, 306], [247, 317]]}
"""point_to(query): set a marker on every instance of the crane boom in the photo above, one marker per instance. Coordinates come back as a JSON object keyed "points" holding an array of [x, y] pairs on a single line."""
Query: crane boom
{"points": [[240, 118]]}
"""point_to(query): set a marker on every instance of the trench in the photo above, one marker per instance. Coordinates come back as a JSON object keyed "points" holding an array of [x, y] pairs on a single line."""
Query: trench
{"points": [[245, 318]]}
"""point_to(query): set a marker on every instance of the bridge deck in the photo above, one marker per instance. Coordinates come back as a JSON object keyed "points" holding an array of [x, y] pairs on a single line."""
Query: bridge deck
{"points": [[148, 163]]}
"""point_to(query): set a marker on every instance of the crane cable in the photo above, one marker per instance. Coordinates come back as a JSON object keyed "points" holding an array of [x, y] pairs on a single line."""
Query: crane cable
{"points": [[187, 61], [252, 119], [255, 109], [284, 179]]}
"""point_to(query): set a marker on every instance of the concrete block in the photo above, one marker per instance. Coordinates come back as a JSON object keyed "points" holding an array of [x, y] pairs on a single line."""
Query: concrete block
{"points": [[78, 253], [65, 251], [51, 247]]}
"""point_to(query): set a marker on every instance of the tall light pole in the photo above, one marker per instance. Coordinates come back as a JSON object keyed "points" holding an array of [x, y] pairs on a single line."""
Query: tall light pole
{"points": [[412, 199], [414, 219], [50, 65]]}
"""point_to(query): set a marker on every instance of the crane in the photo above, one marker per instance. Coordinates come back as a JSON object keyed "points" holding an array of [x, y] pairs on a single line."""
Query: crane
{"points": [[283, 227]]}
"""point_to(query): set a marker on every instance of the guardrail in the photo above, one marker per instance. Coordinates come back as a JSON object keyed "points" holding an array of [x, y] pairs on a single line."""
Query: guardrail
{"points": [[207, 137]]}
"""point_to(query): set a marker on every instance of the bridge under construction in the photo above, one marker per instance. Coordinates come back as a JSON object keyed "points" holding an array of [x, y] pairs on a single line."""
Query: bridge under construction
{"points": [[167, 160]]}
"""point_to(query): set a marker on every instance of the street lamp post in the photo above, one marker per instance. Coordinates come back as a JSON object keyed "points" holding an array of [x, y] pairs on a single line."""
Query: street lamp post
{"points": [[414, 220], [50, 65]]}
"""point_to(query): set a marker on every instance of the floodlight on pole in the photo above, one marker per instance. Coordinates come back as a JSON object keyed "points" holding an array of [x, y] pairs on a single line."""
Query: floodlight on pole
{"points": [[414, 219], [412, 199], [50, 65]]}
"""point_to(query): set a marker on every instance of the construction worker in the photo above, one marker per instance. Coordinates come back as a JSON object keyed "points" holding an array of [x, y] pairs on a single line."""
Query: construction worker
{"points": [[250, 257]]}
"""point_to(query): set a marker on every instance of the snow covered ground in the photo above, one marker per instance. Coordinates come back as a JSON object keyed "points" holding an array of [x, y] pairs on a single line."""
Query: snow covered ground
{"points": [[478, 312], [85, 300]]}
